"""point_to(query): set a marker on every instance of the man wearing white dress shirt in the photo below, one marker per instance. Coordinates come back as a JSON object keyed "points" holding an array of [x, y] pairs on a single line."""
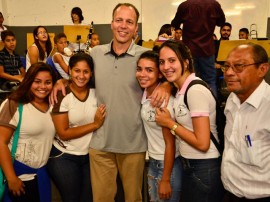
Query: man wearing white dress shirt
{"points": [[245, 166]]}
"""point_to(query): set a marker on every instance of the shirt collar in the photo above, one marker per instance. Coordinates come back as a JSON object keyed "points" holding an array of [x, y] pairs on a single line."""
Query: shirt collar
{"points": [[255, 98], [130, 50], [6, 51], [190, 78]]}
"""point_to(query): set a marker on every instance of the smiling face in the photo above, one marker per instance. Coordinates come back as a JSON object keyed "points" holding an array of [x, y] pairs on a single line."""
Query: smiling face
{"points": [[148, 74], [80, 74], [42, 86], [124, 25], [170, 66]]}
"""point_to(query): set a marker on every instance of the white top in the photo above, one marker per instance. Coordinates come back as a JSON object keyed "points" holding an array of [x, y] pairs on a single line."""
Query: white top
{"points": [[80, 112], [36, 133], [59, 68], [245, 170], [28, 63], [2, 29], [156, 144], [201, 103]]}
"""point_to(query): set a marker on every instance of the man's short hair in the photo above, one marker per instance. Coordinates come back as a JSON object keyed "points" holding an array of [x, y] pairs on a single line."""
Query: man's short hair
{"points": [[6, 33], [59, 36], [226, 24], [245, 30], [127, 5]]}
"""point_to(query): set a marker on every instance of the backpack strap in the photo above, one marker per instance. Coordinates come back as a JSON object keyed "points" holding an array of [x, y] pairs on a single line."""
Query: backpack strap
{"points": [[201, 82]]}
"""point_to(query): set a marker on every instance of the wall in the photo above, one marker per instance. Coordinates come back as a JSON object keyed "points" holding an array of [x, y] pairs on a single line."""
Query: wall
{"points": [[23, 16]]}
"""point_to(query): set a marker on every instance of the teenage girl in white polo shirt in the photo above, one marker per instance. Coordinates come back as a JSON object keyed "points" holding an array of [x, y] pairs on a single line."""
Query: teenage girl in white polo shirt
{"points": [[200, 158], [165, 170]]}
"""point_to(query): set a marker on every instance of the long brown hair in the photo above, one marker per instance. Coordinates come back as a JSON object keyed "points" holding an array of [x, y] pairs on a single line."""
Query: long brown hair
{"points": [[23, 94], [48, 43]]}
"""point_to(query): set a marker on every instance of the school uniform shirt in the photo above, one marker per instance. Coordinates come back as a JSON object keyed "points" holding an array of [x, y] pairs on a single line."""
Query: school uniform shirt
{"points": [[201, 103], [80, 112], [36, 133], [156, 143], [245, 169]]}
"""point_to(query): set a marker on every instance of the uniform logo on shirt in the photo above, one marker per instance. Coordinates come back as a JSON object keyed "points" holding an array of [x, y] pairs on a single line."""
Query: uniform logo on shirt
{"points": [[151, 116], [180, 110]]}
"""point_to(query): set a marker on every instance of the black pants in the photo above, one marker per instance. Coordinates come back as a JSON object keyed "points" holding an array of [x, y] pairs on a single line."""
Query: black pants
{"points": [[31, 192]]}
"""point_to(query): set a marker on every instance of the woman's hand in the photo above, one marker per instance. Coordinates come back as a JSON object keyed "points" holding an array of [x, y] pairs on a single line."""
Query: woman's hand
{"points": [[164, 189], [59, 85], [100, 115], [163, 117], [161, 95], [16, 186]]}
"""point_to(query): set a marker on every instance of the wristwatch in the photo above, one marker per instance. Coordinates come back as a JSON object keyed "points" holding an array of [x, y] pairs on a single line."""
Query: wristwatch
{"points": [[174, 128]]}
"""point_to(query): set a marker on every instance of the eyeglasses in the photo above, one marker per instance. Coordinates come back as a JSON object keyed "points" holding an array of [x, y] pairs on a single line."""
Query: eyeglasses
{"points": [[41, 33], [237, 68]]}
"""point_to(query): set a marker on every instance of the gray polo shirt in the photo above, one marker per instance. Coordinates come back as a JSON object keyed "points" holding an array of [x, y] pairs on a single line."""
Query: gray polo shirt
{"points": [[118, 89]]}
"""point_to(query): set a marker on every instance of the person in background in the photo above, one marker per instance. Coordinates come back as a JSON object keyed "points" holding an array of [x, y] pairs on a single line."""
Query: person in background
{"points": [[178, 34], [245, 163], [165, 168], [94, 40], [27, 177], [2, 27], [77, 16], [192, 126], [199, 20], [76, 116], [40, 49], [11, 68], [60, 58], [166, 32], [243, 33]]}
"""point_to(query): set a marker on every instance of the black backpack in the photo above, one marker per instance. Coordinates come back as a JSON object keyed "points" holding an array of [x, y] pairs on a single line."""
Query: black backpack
{"points": [[220, 117]]}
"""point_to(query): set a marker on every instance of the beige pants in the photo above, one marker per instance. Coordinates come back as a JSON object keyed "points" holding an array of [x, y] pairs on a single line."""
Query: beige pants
{"points": [[104, 168]]}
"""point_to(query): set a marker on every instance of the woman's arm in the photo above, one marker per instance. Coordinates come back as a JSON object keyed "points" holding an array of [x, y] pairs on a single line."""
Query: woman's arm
{"points": [[15, 184], [199, 139], [165, 190], [61, 124], [33, 54], [57, 58], [161, 93]]}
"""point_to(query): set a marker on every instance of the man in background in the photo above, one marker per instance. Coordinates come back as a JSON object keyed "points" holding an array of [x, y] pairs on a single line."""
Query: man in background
{"points": [[178, 34], [246, 158], [243, 33], [199, 19], [2, 27]]}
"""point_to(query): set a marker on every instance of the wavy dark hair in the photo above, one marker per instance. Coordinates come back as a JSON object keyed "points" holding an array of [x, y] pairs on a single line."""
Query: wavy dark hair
{"points": [[77, 11], [48, 43], [165, 29], [24, 94]]}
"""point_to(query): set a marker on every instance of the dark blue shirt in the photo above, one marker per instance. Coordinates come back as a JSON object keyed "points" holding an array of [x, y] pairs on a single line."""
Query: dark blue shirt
{"points": [[11, 63]]}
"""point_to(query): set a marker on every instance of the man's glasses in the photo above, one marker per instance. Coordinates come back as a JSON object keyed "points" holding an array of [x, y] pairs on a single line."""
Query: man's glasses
{"points": [[237, 68]]}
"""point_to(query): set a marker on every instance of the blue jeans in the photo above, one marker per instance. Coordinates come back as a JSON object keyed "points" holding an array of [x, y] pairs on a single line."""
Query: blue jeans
{"points": [[154, 175], [205, 69], [71, 175], [201, 180]]}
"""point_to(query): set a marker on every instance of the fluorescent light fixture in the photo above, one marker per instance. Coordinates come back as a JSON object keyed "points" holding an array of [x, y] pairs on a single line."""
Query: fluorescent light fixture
{"points": [[244, 6]]}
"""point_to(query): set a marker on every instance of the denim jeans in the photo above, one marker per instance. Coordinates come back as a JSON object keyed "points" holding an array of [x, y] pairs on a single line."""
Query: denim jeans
{"points": [[71, 175], [154, 175], [205, 69], [201, 180]]}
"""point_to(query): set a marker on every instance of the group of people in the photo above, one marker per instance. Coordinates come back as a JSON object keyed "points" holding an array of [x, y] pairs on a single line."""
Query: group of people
{"points": [[119, 122]]}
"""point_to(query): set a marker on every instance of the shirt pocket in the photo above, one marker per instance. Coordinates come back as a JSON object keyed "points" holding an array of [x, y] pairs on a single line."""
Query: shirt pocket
{"points": [[251, 154]]}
